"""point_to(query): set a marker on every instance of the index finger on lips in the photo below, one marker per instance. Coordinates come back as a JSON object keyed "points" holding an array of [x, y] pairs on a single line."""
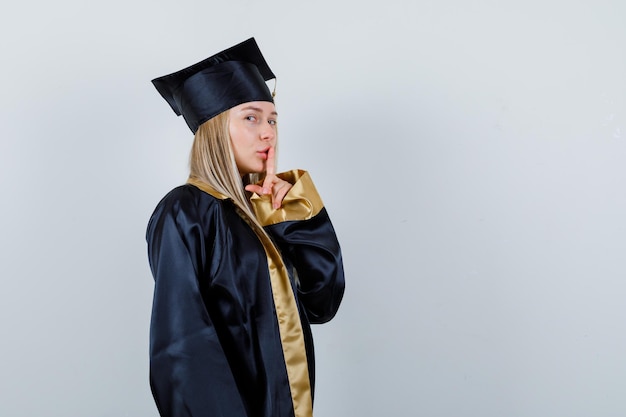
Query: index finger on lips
{"points": [[270, 170], [270, 163]]}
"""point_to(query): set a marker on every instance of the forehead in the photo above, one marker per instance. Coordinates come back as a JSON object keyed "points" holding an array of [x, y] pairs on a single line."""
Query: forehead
{"points": [[259, 106]]}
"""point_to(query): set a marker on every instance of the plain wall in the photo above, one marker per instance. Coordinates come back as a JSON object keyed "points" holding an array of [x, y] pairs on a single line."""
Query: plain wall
{"points": [[471, 155]]}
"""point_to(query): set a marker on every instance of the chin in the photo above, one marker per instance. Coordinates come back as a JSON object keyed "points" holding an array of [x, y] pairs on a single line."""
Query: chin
{"points": [[253, 171], [259, 169]]}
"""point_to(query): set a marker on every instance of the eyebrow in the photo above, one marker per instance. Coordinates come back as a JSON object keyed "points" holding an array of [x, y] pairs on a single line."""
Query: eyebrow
{"points": [[258, 109]]}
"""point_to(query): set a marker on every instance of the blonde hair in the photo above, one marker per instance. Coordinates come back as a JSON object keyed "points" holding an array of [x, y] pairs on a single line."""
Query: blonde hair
{"points": [[212, 161]]}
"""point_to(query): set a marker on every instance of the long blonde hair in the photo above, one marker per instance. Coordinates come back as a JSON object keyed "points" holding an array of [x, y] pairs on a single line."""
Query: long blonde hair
{"points": [[212, 161]]}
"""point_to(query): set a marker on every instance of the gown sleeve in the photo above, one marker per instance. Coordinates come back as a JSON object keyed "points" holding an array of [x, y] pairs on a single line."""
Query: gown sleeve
{"points": [[304, 234], [189, 373]]}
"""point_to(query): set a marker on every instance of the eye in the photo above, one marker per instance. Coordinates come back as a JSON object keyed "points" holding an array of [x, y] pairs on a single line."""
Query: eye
{"points": [[251, 118], [272, 122]]}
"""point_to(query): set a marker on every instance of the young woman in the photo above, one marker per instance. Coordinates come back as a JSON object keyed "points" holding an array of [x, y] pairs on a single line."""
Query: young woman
{"points": [[243, 258]]}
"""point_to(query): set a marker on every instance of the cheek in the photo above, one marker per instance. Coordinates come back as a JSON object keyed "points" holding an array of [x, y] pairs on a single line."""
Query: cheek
{"points": [[235, 138], [242, 138], [242, 146]]}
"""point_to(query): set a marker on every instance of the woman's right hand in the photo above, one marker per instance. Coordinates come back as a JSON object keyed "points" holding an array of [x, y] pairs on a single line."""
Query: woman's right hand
{"points": [[272, 185]]}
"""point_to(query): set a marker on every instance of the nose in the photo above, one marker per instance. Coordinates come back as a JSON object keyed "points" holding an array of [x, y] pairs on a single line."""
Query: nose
{"points": [[267, 132]]}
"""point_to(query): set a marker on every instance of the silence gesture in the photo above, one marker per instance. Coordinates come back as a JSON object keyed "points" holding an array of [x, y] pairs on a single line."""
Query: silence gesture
{"points": [[272, 185]]}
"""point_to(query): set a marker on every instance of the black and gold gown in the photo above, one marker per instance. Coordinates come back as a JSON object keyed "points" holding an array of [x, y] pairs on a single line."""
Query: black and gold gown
{"points": [[230, 332]]}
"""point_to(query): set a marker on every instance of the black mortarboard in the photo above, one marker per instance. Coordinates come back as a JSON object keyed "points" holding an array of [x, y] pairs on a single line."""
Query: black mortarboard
{"points": [[202, 91]]}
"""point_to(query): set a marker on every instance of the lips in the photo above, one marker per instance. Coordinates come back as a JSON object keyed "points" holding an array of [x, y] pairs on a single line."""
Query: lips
{"points": [[263, 153]]}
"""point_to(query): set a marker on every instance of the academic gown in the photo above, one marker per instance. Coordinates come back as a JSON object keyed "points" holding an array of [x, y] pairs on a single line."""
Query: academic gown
{"points": [[230, 331]]}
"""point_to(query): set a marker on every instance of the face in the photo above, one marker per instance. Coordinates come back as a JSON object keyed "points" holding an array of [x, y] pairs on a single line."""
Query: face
{"points": [[252, 130]]}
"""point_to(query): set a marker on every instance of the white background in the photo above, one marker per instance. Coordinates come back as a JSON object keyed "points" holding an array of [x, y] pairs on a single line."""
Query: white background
{"points": [[470, 153]]}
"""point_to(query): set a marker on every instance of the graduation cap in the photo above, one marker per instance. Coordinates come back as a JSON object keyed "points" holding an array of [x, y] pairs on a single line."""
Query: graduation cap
{"points": [[202, 91]]}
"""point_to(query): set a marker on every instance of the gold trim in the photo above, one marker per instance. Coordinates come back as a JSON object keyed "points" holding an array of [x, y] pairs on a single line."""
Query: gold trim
{"points": [[302, 202], [207, 188], [291, 334], [289, 325]]}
